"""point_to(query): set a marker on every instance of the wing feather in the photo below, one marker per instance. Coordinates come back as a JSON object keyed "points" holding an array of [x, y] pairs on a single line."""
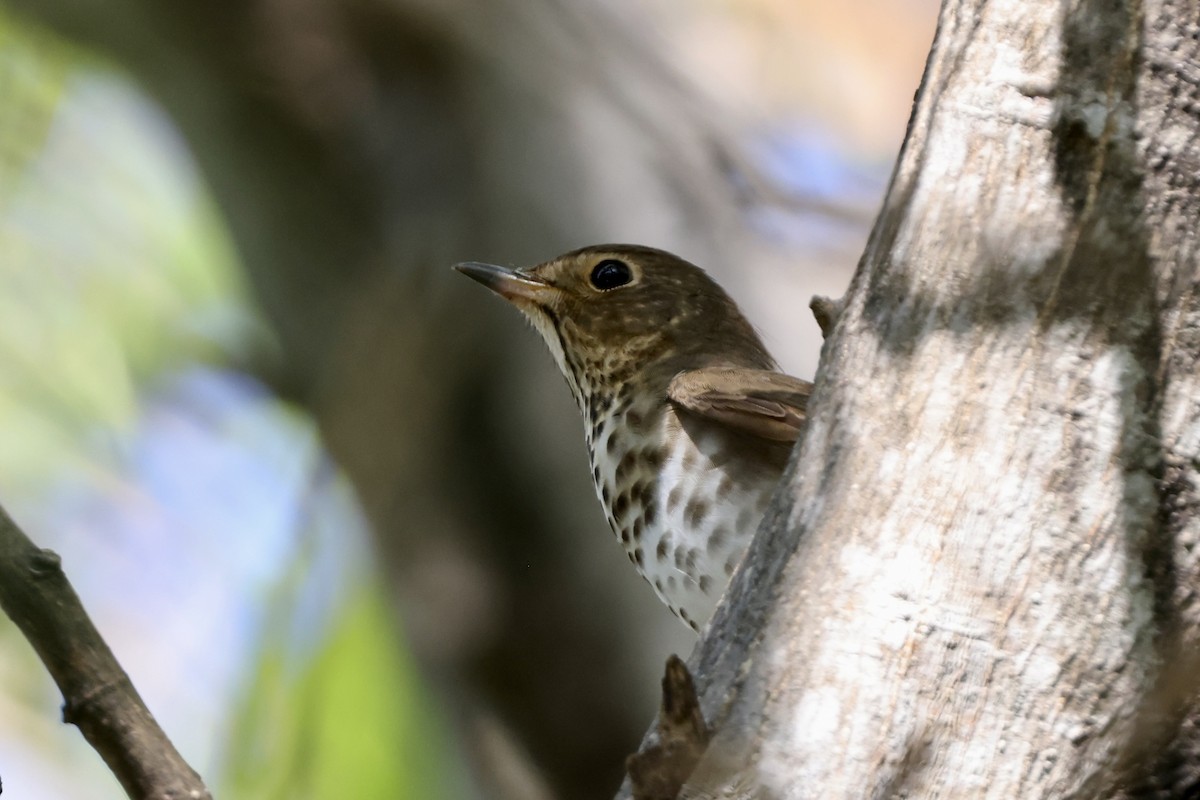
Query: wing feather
{"points": [[759, 402]]}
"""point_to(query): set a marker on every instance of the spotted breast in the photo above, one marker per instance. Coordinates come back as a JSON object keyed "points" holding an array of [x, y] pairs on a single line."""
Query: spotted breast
{"points": [[683, 495]]}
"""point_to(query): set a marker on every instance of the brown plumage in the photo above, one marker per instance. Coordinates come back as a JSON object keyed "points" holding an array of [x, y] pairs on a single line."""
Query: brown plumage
{"points": [[769, 405], [688, 421]]}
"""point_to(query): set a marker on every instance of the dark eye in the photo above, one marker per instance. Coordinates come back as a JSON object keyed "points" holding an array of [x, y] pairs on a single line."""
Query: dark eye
{"points": [[610, 273]]}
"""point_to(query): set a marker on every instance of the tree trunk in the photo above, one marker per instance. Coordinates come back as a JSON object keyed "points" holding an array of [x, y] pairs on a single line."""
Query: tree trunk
{"points": [[980, 576]]}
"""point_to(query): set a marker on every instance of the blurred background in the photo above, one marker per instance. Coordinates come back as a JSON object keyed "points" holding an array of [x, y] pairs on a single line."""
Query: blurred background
{"points": [[327, 500]]}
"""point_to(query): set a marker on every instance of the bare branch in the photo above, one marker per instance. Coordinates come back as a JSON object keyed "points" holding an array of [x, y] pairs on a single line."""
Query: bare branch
{"points": [[99, 697]]}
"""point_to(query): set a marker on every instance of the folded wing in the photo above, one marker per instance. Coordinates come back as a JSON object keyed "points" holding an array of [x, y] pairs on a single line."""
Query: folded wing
{"points": [[758, 402]]}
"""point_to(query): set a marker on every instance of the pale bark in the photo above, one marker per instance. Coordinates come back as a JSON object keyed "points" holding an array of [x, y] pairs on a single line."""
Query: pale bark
{"points": [[980, 578]]}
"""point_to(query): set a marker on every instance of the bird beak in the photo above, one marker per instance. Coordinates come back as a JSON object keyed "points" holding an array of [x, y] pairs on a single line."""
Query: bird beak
{"points": [[512, 285]]}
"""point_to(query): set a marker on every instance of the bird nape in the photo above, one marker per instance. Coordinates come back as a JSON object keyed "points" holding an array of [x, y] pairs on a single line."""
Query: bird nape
{"points": [[687, 419]]}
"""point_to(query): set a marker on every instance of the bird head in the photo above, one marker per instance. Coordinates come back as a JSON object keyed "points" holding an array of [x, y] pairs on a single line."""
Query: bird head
{"points": [[610, 311]]}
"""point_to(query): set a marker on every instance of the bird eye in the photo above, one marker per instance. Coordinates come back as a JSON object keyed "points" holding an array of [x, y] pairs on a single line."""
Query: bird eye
{"points": [[610, 273]]}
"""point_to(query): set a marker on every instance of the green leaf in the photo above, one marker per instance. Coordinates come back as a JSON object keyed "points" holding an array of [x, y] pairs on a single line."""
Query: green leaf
{"points": [[353, 722]]}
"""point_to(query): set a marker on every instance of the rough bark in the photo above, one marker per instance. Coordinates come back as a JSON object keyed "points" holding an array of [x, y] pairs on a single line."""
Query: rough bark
{"points": [[980, 577]]}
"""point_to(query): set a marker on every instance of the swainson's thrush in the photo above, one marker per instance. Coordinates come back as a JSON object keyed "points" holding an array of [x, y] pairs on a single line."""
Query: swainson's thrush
{"points": [[688, 420]]}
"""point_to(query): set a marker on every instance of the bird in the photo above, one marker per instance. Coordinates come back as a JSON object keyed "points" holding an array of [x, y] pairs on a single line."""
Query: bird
{"points": [[688, 420]]}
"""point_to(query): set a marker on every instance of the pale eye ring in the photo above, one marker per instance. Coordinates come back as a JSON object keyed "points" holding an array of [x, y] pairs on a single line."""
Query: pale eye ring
{"points": [[611, 274]]}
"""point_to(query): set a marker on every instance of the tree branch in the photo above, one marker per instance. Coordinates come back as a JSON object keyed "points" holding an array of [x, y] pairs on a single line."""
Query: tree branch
{"points": [[99, 697]]}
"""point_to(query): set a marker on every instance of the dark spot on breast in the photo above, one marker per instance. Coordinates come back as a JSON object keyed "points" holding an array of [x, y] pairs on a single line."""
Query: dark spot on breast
{"points": [[705, 583], [639, 527], [604, 494], [683, 615], [652, 457], [633, 419], [660, 552], [624, 467], [680, 554], [638, 556], [630, 556], [724, 487], [611, 444], [650, 514], [624, 535], [745, 519], [729, 565], [716, 539], [596, 473], [643, 492], [689, 563], [674, 498], [621, 506], [696, 511]]}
